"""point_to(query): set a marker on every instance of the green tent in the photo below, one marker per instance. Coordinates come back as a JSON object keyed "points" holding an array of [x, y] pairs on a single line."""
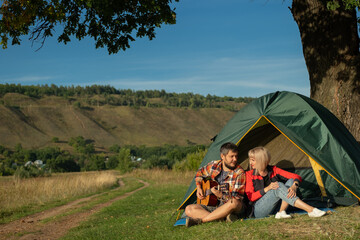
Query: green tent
{"points": [[303, 137]]}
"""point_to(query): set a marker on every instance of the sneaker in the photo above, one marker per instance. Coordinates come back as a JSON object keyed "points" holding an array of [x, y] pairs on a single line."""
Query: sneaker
{"points": [[231, 217], [282, 214], [316, 213], [192, 221]]}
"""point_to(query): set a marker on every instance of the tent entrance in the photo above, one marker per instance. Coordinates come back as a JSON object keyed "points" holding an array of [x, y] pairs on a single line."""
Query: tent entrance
{"points": [[284, 153]]}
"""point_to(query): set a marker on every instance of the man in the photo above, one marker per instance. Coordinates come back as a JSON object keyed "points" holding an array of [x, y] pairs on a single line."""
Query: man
{"points": [[225, 171]]}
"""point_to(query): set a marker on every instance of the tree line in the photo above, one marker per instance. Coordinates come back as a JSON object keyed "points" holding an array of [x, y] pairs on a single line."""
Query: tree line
{"points": [[123, 97], [21, 162]]}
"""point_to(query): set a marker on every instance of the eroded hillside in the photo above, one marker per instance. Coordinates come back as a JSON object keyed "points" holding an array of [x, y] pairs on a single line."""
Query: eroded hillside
{"points": [[35, 122]]}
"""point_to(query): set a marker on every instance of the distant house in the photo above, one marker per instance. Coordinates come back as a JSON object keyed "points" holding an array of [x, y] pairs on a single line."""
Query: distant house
{"points": [[37, 163], [28, 163]]}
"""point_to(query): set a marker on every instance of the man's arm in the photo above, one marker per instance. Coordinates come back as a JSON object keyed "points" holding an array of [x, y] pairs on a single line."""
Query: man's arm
{"points": [[239, 187], [202, 173]]}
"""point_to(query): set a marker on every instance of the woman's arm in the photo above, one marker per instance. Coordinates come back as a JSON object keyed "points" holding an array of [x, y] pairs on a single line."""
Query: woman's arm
{"points": [[249, 188], [272, 186], [286, 175]]}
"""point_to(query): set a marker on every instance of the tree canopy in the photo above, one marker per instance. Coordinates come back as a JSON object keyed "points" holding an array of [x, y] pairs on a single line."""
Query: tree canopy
{"points": [[112, 24], [125, 158], [348, 4], [85, 96]]}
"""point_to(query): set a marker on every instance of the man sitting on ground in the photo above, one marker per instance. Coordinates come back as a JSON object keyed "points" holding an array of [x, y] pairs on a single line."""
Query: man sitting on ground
{"points": [[226, 172]]}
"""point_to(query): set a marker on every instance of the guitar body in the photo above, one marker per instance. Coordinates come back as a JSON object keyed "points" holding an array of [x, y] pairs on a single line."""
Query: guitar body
{"points": [[210, 199]]}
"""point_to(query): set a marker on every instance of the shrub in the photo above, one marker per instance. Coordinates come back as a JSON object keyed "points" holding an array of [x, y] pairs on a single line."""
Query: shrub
{"points": [[191, 162], [31, 171], [124, 157], [5, 170], [95, 163], [112, 162], [63, 163], [2, 149], [115, 148], [81, 145], [157, 162]]}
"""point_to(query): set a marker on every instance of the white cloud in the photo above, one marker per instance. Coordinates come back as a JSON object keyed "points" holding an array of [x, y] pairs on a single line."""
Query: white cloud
{"points": [[27, 79], [222, 75], [203, 85]]}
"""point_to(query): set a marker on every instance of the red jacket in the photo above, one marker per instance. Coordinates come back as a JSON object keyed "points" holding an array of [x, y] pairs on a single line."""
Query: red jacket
{"points": [[255, 183]]}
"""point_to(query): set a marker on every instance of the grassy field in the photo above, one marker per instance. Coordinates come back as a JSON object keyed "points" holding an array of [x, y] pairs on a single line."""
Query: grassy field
{"points": [[148, 215], [21, 197]]}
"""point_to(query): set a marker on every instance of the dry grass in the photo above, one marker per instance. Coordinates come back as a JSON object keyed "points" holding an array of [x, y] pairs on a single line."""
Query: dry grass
{"points": [[164, 176], [39, 191], [15, 194]]}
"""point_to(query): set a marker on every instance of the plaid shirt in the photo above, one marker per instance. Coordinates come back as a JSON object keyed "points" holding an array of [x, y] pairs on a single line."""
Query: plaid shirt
{"points": [[235, 178]]}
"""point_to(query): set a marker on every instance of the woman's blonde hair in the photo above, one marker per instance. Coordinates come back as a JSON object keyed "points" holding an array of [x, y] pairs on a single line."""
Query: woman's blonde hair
{"points": [[262, 157]]}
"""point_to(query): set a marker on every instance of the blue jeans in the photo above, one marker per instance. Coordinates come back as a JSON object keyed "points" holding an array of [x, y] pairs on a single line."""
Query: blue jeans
{"points": [[267, 204]]}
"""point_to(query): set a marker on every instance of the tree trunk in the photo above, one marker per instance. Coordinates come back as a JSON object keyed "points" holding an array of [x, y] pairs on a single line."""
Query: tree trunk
{"points": [[331, 50]]}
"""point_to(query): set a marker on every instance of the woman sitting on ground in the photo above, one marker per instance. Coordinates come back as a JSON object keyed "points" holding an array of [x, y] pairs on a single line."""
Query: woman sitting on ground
{"points": [[267, 185]]}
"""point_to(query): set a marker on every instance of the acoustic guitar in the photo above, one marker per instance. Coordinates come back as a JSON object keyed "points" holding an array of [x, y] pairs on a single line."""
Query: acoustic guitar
{"points": [[210, 198]]}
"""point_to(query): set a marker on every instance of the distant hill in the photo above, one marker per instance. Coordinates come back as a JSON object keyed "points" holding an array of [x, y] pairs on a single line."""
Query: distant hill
{"points": [[34, 122]]}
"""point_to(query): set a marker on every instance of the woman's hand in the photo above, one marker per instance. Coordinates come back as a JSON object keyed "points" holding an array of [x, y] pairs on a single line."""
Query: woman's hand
{"points": [[291, 191], [272, 186]]}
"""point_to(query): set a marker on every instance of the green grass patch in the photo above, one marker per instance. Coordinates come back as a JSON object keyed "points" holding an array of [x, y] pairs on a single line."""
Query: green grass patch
{"points": [[146, 215], [9, 216]]}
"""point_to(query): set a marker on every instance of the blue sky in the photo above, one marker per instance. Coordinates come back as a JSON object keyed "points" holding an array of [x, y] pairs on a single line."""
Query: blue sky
{"points": [[232, 48]]}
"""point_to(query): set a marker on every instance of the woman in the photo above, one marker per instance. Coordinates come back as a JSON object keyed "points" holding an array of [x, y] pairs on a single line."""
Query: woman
{"points": [[267, 185]]}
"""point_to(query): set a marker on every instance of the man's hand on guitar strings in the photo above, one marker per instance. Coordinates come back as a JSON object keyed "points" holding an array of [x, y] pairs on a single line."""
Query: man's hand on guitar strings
{"points": [[216, 192]]}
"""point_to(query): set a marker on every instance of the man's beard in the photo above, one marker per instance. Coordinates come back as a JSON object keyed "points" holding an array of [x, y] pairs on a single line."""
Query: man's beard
{"points": [[230, 167]]}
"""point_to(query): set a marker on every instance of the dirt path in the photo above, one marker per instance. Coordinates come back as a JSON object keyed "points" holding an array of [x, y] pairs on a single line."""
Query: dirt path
{"points": [[31, 227]]}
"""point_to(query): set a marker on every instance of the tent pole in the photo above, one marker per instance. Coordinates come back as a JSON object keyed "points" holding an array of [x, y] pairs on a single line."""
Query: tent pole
{"points": [[316, 167]]}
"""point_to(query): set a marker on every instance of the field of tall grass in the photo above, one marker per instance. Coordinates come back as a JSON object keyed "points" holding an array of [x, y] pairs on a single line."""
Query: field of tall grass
{"points": [[17, 194]]}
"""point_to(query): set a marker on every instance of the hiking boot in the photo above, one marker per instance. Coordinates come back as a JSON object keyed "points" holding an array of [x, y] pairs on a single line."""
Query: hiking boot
{"points": [[316, 213], [192, 221], [282, 214], [231, 217]]}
